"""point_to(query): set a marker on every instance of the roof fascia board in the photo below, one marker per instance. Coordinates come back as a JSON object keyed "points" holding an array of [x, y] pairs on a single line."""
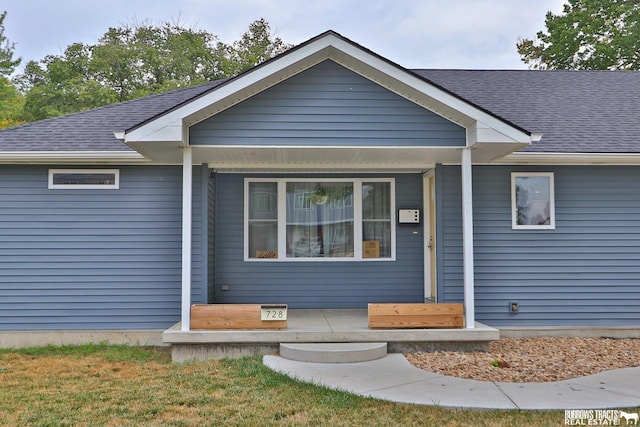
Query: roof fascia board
{"points": [[571, 159], [72, 157], [480, 132]]}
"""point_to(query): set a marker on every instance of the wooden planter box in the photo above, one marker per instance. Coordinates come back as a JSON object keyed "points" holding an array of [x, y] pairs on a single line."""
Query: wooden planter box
{"points": [[231, 316], [407, 316]]}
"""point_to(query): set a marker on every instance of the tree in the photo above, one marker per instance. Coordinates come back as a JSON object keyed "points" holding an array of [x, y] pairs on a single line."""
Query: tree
{"points": [[11, 104], [62, 85], [7, 63], [589, 34], [137, 60], [10, 99], [254, 47]]}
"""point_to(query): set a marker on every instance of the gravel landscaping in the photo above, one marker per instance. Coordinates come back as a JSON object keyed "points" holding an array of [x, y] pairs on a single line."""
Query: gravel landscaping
{"points": [[534, 359]]}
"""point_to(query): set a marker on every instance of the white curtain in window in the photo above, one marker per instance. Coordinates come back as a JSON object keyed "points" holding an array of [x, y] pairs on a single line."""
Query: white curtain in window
{"points": [[320, 219]]}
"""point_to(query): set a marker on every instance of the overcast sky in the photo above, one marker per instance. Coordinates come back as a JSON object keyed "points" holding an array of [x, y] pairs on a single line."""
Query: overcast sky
{"points": [[414, 33]]}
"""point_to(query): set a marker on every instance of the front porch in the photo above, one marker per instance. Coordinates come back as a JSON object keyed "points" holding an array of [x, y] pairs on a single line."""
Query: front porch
{"points": [[321, 326]]}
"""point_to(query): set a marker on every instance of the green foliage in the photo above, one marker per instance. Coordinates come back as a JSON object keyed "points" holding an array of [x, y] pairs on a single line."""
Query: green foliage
{"points": [[11, 101], [11, 104], [138, 60], [254, 47], [62, 85], [7, 63], [588, 35]]}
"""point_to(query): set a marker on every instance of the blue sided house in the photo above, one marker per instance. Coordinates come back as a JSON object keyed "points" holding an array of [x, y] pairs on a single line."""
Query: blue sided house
{"points": [[330, 177]]}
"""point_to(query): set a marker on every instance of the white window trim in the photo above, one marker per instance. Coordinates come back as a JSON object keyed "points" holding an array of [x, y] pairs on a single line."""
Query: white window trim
{"points": [[552, 203], [114, 186], [282, 220]]}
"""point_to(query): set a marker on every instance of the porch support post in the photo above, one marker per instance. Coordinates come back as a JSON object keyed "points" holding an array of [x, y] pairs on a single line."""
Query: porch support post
{"points": [[467, 238], [187, 183]]}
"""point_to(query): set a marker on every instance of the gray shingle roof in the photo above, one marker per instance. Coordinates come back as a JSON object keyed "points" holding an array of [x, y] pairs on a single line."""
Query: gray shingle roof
{"points": [[92, 130], [576, 111]]}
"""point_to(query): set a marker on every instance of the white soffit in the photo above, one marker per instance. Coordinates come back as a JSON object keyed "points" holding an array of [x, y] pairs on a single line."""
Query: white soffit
{"points": [[170, 127], [336, 158]]}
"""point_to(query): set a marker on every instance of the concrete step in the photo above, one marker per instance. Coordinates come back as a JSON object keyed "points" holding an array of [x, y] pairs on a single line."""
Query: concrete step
{"points": [[333, 352]]}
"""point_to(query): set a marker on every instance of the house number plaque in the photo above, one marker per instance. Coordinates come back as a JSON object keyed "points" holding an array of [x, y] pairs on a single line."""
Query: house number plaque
{"points": [[273, 312]]}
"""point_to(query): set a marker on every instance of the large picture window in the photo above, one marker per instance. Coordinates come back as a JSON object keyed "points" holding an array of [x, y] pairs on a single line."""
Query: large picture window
{"points": [[532, 200], [319, 219]]}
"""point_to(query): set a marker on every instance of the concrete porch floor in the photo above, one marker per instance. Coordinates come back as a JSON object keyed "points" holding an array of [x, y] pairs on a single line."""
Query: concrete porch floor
{"points": [[321, 326]]}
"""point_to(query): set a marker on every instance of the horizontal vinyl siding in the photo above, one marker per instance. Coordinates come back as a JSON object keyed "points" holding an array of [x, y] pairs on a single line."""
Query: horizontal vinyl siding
{"points": [[337, 284], [93, 259], [449, 234], [327, 105], [585, 272], [199, 250]]}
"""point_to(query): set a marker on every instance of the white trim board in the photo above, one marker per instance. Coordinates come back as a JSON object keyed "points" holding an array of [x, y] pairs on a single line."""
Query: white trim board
{"points": [[49, 157], [542, 159]]}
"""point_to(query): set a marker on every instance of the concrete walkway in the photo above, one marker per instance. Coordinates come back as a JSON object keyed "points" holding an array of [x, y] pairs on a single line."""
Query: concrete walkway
{"points": [[394, 378]]}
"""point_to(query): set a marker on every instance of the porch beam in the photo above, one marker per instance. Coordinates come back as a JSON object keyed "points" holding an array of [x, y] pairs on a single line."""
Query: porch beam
{"points": [[467, 238], [187, 184]]}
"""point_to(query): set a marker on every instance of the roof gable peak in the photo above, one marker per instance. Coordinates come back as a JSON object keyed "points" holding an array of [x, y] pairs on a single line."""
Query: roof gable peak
{"points": [[172, 127]]}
